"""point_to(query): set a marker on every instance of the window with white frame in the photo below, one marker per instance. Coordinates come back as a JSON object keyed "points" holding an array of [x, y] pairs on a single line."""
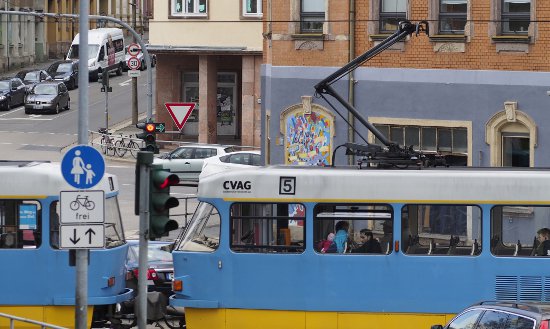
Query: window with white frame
{"points": [[452, 16], [188, 7], [515, 16], [453, 142], [312, 16], [391, 13], [252, 8]]}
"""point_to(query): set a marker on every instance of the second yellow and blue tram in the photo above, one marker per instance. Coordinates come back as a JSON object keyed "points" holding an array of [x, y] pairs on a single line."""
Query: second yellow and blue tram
{"points": [[250, 257], [36, 280]]}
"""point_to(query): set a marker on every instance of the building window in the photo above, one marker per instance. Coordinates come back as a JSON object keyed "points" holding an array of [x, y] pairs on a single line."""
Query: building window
{"points": [[252, 7], [188, 7], [452, 16], [391, 13], [312, 16], [449, 141], [516, 16], [515, 150]]}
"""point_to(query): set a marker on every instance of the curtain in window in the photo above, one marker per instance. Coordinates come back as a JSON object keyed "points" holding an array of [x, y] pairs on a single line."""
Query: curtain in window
{"points": [[394, 6], [313, 5]]}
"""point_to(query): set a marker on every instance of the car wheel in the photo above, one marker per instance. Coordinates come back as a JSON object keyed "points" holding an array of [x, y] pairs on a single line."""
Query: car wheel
{"points": [[68, 104], [8, 104], [73, 84], [142, 66], [27, 111], [119, 70], [57, 108]]}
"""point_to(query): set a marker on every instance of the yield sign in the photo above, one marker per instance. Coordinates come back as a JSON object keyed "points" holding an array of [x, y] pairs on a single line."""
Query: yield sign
{"points": [[180, 112]]}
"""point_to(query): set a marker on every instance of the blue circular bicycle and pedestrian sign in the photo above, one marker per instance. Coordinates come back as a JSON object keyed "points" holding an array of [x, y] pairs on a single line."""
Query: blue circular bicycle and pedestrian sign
{"points": [[83, 167]]}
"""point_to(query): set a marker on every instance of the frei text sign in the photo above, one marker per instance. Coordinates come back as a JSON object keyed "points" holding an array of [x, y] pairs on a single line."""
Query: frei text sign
{"points": [[82, 214], [180, 112]]}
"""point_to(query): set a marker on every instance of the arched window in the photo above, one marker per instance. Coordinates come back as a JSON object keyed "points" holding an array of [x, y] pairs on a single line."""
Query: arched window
{"points": [[512, 137]]}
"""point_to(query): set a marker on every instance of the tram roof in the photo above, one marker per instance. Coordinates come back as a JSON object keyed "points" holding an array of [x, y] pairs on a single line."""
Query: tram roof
{"points": [[348, 184], [40, 179]]}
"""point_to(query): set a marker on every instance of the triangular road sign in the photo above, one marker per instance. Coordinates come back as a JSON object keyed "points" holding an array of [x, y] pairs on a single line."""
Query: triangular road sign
{"points": [[180, 112]]}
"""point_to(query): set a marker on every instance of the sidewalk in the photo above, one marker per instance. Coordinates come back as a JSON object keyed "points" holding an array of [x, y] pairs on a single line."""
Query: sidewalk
{"points": [[35, 66]]}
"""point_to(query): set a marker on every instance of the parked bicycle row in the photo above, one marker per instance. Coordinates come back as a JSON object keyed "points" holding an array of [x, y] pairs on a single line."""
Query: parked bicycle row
{"points": [[116, 144]]}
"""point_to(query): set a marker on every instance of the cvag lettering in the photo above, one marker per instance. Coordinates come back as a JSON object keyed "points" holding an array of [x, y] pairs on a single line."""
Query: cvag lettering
{"points": [[237, 185]]}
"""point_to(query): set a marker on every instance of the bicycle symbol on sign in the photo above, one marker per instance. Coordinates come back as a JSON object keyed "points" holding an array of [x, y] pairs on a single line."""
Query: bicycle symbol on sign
{"points": [[82, 201]]}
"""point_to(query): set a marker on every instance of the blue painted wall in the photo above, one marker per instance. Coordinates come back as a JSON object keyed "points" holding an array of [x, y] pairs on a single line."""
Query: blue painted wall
{"points": [[416, 94]]}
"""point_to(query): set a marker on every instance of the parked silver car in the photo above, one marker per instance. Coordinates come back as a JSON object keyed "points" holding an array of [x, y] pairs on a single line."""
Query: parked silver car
{"points": [[48, 97], [186, 161]]}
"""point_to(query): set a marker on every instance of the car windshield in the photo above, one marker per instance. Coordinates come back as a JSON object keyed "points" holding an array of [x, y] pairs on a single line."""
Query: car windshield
{"points": [[32, 76], [45, 90], [4, 85], [155, 253], [92, 51], [65, 67]]}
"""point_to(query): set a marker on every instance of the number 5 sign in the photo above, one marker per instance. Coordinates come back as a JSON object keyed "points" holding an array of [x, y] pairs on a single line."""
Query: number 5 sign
{"points": [[134, 63]]}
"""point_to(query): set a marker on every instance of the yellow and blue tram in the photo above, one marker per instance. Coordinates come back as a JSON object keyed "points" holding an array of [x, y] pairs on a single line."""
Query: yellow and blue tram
{"points": [[251, 256], [36, 280]]}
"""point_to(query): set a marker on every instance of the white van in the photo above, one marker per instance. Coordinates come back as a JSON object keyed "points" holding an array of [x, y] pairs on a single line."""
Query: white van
{"points": [[105, 51]]}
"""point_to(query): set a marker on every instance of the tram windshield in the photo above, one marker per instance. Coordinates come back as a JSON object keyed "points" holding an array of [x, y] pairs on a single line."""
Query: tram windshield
{"points": [[203, 233]]}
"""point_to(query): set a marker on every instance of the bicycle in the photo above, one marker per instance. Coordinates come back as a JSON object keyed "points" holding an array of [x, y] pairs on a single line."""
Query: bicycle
{"points": [[82, 201], [122, 147], [107, 143]]}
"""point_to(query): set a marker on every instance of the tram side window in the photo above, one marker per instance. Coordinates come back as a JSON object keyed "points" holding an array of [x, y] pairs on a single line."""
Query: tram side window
{"points": [[20, 224], [267, 227], [203, 231], [353, 228], [441, 230], [514, 230]]}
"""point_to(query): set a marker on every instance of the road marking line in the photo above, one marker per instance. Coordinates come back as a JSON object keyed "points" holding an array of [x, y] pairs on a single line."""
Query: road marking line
{"points": [[29, 119], [125, 83]]}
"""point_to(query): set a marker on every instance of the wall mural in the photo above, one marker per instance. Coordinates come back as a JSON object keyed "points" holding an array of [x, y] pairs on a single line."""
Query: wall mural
{"points": [[308, 134]]}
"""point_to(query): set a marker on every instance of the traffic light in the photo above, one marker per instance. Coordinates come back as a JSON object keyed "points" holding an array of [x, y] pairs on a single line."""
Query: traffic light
{"points": [[148, 136], [161, 202]]}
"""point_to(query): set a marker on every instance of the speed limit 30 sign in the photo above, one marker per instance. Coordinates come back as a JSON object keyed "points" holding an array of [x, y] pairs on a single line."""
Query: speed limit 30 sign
{"points": [[134, 63]]}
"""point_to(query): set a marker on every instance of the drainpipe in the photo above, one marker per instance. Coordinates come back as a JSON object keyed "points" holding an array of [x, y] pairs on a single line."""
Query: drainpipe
{"points": [[351, 77]]}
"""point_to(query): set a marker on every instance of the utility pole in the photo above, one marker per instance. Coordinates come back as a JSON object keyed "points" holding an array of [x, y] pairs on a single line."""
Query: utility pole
{"points": [[134, 79]]}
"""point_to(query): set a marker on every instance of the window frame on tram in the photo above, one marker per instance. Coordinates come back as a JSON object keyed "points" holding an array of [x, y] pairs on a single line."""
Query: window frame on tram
{"points": [[16, 235], [277, 230]]}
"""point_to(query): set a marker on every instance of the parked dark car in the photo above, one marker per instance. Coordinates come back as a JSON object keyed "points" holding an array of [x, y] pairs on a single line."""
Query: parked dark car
{"points": [[51, 96], [66, 71], [12, 92], [32, 77], [501, 315]]}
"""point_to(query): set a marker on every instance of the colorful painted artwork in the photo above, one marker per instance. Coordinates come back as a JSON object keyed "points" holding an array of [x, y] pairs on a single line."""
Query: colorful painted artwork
{"points": [[308, 139]]}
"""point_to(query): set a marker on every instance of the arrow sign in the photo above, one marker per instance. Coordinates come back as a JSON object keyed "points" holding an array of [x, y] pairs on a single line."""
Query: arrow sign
{"points": [[180, 112], [89, 236]]}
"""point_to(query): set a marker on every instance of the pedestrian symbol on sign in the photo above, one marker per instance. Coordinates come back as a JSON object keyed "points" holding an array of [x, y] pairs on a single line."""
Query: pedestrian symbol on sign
{"points": [[82, 167]]}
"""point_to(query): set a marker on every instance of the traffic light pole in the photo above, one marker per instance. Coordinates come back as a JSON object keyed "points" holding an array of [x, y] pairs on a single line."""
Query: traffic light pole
{"points": [[144, 162]]}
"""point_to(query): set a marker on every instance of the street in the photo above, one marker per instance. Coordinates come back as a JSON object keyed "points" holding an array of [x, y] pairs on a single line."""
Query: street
{"points": [[45, 137]]}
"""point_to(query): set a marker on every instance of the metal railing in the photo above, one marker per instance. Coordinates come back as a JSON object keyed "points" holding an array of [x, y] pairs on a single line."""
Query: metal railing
{"points": [[12, 319]]}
